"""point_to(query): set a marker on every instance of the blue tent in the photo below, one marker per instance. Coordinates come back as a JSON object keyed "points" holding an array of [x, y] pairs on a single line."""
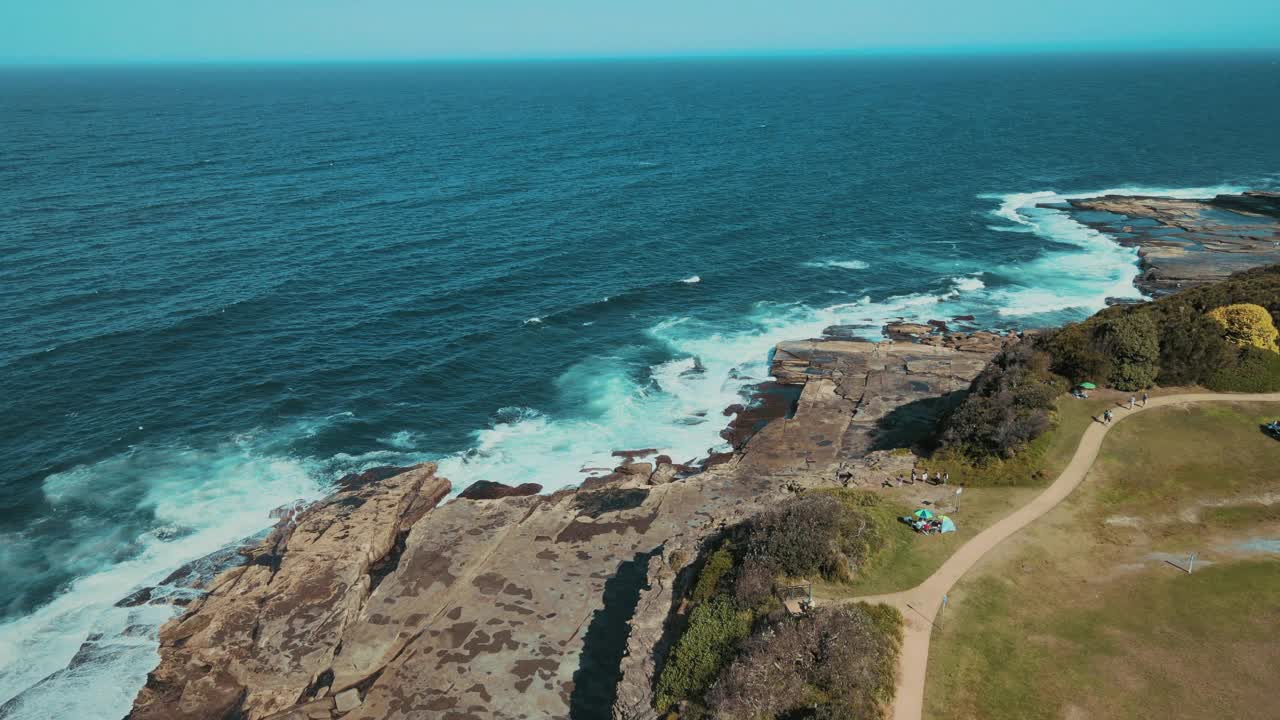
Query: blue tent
{"points": [[947, 525]]}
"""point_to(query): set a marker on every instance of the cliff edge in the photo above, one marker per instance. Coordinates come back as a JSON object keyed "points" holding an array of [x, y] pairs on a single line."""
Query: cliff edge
{"points": [[378, 604]]}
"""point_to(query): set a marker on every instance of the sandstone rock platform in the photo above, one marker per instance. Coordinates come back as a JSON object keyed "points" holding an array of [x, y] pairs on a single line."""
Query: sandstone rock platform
{"points": [[378, 604], [1187, 242]]}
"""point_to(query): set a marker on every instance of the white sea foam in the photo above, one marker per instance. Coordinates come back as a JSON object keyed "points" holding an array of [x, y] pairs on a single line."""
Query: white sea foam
{"points": [[842, 264], [201, 500], [675, 406], [969, 283], [402, 440], [692, 279], [533, 321], [1078, 279]]}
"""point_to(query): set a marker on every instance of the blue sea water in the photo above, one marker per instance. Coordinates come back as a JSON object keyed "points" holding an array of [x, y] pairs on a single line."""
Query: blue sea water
{"points": [[223, 287]]}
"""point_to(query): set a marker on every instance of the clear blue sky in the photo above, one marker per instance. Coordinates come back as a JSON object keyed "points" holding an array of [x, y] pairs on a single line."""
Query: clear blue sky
{"points": [[162, 30]]}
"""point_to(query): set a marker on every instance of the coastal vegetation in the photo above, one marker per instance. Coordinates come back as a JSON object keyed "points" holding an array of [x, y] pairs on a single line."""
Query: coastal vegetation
{"points": [[728, 658], [1009, 404], [1246, 325], [1093, 613], [1206, 335], [1222, 336]]}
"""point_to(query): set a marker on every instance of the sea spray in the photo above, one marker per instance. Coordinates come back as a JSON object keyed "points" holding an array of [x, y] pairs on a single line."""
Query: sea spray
{"points": [[1079, 279], [135, 518]]}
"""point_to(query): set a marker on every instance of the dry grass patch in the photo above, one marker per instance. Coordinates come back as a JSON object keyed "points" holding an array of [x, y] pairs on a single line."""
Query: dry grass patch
{"points": [[1076, 617]]}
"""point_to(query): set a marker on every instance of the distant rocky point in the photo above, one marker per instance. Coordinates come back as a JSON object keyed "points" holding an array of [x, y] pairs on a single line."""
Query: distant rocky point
{"points": [[1183, 243]]}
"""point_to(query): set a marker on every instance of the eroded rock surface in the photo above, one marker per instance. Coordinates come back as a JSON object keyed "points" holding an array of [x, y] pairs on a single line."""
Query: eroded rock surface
{"points": [[1187, 242], [376, 606], [268, 629]]}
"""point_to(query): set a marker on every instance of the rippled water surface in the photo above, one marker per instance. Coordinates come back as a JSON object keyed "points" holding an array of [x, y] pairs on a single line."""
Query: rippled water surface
{"points": [[223, 287]]}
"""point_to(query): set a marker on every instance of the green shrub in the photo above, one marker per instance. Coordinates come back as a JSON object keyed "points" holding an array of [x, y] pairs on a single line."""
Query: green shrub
{"points": [[834, 662], [1010, 403], [1257, 371], [1247, 325], [815, 534], [1075, 357], [1022, 469], [1191, 347], [718, 564], [1132, 342], [707, 645]]}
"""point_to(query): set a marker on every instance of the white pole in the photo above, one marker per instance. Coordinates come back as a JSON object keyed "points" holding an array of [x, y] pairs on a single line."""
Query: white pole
{"points": [[1191, 563]]}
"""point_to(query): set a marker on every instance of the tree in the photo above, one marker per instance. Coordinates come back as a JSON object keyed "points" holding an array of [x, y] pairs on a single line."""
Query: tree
{"points": [[1009, 404], [1192, 348], [1075, 357], [1247, 325], [1133, 343]]}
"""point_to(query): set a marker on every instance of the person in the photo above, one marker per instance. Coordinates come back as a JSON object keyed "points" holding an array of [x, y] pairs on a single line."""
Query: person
{"points": [[937, 478], [946, 477], [913, 476], [1106, 417], [1145, 396], [1132, 401]]}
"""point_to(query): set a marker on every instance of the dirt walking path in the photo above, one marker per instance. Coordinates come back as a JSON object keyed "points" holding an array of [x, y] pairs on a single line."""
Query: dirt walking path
{"points": [[919, 605]]}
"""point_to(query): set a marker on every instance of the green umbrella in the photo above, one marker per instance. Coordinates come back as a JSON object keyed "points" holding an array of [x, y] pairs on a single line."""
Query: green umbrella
{"points": [[1088, 386], [923, 514]]}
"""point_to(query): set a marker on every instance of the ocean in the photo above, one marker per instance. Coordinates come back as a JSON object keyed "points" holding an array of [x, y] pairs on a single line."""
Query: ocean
{"points": [[223, 287]]}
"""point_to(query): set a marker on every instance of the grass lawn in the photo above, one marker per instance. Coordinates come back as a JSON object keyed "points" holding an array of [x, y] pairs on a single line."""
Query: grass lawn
{"points": [[1081, 616], [1047, 456], [910, 558]]}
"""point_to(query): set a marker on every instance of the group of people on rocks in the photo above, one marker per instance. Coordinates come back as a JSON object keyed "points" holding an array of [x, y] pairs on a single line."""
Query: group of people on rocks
{"points": [[939, 478]]}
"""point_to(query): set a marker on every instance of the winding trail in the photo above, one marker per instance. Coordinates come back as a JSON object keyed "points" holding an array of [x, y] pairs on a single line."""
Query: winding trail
{"points": [[920, 605]]}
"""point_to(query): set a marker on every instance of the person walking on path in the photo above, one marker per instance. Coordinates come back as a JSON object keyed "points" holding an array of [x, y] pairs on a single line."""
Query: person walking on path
{"points": [[1145, 397], [1132, 401]]}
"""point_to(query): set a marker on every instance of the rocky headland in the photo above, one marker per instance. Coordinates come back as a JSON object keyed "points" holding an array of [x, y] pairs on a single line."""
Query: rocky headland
{"points": [[382, 602], [390, 599], [1183, 243]]}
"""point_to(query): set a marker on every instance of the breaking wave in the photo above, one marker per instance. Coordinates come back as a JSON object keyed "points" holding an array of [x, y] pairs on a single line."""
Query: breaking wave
{"points": [[1089, 267], [132, 519], [192, 502]]}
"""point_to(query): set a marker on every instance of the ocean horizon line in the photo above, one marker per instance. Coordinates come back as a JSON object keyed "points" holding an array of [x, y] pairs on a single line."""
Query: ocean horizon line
{"points": [[964, 52]]}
